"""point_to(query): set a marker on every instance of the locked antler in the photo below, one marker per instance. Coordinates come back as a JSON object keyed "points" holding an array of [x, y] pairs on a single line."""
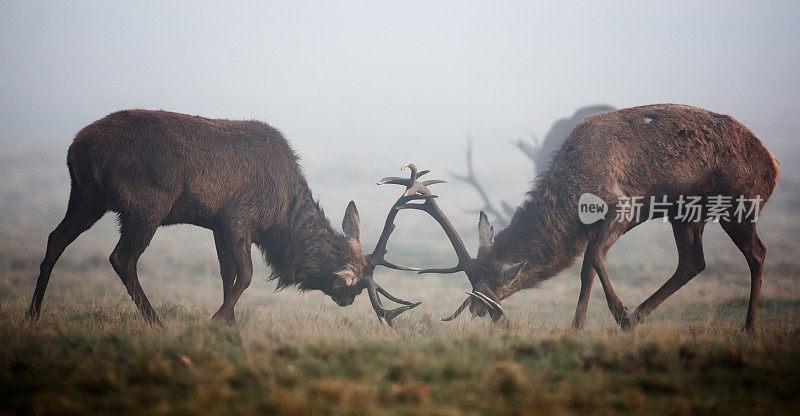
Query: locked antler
{"points": [[418, 191], [415, 191]]}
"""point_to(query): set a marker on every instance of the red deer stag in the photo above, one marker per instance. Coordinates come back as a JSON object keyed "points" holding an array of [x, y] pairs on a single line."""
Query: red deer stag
{"points": [[240, 179], [662, 153]]}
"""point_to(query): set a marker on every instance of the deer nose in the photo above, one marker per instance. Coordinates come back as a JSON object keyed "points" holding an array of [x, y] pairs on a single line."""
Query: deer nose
{"points": [[477, 309], [345, 301]]}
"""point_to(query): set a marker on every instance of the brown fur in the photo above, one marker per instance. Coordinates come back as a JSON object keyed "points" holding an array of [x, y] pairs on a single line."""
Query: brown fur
{"points": [[240, 179], [559, 132], [683, 150]]}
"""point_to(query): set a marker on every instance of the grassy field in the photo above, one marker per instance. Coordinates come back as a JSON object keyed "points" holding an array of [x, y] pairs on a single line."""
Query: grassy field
{"points": [[295, 353], [99, 359]]}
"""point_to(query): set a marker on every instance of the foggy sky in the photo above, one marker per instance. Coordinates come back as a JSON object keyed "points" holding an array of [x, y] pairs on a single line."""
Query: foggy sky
{"points": [[380, 83]]}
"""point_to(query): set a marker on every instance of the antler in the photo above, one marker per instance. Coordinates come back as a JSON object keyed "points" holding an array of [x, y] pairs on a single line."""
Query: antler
{"points": [[386, 316], [377, 257], [416, 190]]}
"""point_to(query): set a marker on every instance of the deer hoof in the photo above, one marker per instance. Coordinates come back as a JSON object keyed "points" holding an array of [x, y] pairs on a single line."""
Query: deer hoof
{"points": [[577, 325], [224, 318], [31, 317], [627, 324]]}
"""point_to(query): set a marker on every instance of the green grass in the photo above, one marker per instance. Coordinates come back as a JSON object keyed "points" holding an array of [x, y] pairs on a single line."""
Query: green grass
{"points": [[99, 359]]}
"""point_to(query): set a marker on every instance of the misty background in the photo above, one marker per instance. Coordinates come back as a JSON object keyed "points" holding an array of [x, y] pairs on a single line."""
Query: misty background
{"points": [[359, 88]]}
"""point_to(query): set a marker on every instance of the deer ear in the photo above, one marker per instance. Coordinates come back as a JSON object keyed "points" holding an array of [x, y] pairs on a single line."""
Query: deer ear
{"points": [[510, 271], [348, 276], [485, 231], [351, 222]]}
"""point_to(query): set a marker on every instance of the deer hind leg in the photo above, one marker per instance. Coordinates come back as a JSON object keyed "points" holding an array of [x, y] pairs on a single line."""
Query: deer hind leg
{"points": [[227, 268], [239, 245], [609, 233], [81, 214], [689, 241], [136, 231], [746, 239], [587, 278]]}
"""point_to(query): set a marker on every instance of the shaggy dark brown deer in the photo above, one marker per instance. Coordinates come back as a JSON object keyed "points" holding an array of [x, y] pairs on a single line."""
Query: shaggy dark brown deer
{"points": [[663, 151], [240, 179]]}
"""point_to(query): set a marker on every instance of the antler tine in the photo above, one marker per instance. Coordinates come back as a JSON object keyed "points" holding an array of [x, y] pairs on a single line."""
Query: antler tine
{"points": [[487, 300], [395, 299], [391, 265], [413, 168], [459, 310], [384, 315], [433, 182]]}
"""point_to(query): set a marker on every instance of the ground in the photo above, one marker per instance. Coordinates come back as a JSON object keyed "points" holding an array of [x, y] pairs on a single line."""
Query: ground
{"points": [[99, 358], [294, 353]]}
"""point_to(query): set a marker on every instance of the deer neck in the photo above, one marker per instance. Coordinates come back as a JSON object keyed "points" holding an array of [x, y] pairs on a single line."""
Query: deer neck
{"points": [[304, 249], [544, 232]]}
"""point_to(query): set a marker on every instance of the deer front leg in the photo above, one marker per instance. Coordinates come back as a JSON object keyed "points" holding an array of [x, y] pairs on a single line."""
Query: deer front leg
{"points": [[587, 279], [244, 274], [227, 268], [615, 305], [596, 255], [135, 234], [746, 239]]}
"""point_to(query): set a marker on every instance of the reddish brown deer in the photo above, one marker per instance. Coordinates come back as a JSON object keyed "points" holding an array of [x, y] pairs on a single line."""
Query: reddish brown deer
{"points": [[240, 179], [659, 151]]}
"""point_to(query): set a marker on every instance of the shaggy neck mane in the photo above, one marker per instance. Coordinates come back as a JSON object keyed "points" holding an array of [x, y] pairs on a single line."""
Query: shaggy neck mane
{"points": [[544, 232], [305, 250]]}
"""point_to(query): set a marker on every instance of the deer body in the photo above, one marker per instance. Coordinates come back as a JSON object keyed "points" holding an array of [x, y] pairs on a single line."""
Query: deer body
{"points": [[661, 151], [682, 150], [240, 179], [558, 132]]}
